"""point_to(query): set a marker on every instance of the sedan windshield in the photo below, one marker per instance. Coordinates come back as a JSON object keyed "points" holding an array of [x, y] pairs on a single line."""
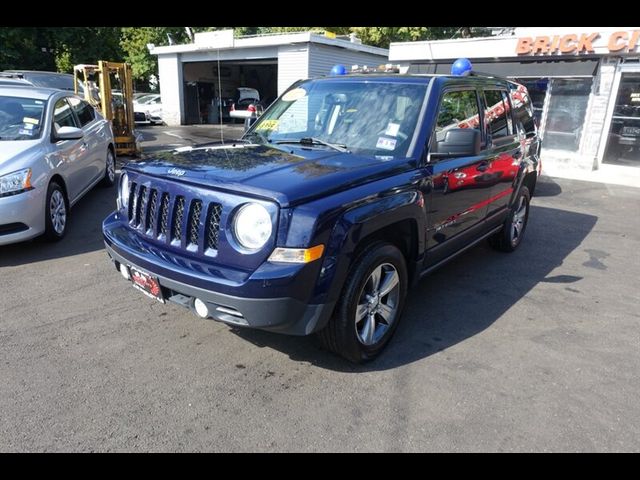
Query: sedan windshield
{"points": [[367, 117], [20, 118]]}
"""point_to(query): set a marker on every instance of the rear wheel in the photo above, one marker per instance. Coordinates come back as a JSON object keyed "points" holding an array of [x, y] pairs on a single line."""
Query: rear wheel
{"points": [[371, 304], [510, 237], [56, 213]]}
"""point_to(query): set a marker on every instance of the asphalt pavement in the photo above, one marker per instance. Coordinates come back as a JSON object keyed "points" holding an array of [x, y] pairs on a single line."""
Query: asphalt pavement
{"points": [[532, 351]]}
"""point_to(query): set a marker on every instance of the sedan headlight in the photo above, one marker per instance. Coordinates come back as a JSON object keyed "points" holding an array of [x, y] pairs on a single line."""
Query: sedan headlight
{"points": [[123, 195], [16, 182], [252, 226]]}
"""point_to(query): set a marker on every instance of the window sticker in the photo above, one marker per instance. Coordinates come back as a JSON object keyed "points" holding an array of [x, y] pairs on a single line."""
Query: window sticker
{"points": [[268, 125], [33, 121], [22, 131], [386, 143], [392, 129], [385, 158], [29, 126], [39, 102], [294, 94]]}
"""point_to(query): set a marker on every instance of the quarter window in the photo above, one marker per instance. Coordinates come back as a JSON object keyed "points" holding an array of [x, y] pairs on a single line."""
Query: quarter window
{"points": [[497, 115], [83, 110], [62, 115]]}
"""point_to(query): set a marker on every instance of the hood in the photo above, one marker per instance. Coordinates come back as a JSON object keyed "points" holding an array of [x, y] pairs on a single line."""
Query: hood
{"points": [[288, 176], [12, 149]]}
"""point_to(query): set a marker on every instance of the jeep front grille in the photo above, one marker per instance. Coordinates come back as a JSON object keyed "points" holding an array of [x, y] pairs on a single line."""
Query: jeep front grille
{"points": [[174, 219]]}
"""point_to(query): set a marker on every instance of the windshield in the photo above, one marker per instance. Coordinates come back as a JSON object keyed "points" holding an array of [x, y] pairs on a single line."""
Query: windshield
{"points": [[368, 117], [20, 118]]}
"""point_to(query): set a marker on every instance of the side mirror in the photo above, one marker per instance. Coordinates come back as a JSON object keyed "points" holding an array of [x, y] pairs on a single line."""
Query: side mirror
{"points": [[458, 142], [69, 133]]}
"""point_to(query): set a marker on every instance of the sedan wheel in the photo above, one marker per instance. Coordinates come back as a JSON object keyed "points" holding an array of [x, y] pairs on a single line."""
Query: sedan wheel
{"points": [[56, 214]]}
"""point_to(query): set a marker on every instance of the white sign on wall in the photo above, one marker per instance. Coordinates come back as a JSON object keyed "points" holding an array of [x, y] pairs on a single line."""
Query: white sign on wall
{"points": [[215, 39]]}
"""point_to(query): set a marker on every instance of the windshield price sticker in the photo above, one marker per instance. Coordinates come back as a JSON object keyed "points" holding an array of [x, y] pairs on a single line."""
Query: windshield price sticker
{"points": [[386, 143], [392, 129]]}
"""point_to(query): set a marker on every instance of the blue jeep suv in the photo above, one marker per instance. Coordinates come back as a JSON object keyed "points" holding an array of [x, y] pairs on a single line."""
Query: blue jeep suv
{"points": [[341, 196]]}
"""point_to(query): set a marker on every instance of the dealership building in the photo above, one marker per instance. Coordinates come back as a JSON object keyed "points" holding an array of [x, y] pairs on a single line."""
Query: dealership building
{"points": [[584, 83], [194, 76]]}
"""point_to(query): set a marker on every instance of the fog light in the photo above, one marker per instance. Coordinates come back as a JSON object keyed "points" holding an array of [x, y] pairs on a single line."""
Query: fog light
{"points": [[201, 308], [125, 272]]}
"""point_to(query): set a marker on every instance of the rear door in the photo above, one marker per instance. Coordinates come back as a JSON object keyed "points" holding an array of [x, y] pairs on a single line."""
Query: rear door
{"points": [[94, 137], [72, 154], [458, 199], [503, 150]]}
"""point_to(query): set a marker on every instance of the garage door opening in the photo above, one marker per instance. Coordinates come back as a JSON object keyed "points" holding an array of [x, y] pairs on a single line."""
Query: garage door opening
{"points": [[204, 100]]}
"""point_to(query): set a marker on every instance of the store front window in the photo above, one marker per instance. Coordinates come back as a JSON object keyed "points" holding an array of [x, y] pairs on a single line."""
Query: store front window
{"points": [[537, 88], [566, 113], [623, 144]]}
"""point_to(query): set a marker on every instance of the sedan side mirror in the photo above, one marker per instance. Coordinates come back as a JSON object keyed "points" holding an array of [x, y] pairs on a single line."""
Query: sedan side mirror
{"points": [[458, 142], [69, 133]]}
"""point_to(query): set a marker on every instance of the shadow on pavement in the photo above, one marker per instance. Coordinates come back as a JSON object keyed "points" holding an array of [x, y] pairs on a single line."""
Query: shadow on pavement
{"points": [[463, 298], [84, 232], [547, 187]]}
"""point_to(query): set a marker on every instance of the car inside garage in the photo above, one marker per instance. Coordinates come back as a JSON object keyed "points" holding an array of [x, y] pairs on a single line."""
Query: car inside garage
{"points": [[211, 88]]}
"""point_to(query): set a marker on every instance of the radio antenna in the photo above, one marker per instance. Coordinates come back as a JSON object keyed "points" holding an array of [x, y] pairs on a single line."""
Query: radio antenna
{"points": [[220, 98]]}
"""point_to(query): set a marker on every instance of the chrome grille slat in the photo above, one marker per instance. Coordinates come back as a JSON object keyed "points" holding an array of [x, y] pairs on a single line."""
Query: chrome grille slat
{"points": [[178, 217], [132, 200], [194, 221], [141, 207], [164, 214], [152, 212], [213, 225]]}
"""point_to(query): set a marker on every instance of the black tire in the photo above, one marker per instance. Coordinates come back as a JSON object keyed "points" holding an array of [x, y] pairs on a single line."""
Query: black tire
{"points": [[109, 179], [509, 237], [56, 197], [342, 334]]}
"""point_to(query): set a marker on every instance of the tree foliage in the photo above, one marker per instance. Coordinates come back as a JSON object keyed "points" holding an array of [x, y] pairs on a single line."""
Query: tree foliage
{"points": [[60, 48]]}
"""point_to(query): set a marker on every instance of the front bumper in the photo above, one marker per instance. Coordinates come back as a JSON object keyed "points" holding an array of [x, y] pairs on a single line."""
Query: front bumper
{"points": [[21, 217], [230, 301]]}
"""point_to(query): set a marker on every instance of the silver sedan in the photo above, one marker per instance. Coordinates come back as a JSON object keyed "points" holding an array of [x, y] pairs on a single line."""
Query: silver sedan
{"points": [[54, 147]]}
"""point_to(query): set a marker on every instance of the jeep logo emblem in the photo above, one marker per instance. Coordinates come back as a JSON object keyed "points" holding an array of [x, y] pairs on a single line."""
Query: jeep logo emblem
{"points": [[176, 171]]}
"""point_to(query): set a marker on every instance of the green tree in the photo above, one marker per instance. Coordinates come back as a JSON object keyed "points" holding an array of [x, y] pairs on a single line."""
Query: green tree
{"points": [[134, 41]]}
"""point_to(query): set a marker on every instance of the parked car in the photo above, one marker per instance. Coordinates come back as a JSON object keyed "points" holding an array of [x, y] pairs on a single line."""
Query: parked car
{"points": [[54, 147], [12, 81], [246, 104], [62, 81], [148, 109], [330, 207]]}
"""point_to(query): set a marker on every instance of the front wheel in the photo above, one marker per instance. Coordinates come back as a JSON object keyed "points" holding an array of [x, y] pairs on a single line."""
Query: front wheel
{"points": [[512, 232], [56, 213], [110, 170], [371, 304]]}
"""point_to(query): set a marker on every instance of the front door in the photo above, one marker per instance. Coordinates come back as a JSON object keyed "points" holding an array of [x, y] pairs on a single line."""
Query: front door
{"points": [[457, 203], [623, 142]]}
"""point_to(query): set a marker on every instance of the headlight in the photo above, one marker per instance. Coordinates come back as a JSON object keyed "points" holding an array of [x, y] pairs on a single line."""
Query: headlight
{"points": [[252, 226], [15, 182], [123, 197]]}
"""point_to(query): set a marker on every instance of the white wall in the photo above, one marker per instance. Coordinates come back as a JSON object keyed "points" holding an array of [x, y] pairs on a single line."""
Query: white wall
{"points": [[293, 65], [170, 77], [322, 58]]}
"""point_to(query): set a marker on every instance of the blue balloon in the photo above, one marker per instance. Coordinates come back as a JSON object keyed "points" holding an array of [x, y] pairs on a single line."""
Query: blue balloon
{"points": [[338, 70], [462, 66]]}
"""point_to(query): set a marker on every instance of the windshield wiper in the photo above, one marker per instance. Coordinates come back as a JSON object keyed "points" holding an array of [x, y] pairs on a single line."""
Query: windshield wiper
{"points": [[309, 141]]}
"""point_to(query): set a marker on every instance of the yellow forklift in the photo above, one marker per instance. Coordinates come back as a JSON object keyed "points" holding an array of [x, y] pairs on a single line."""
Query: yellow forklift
{"points": [[116, 106]]}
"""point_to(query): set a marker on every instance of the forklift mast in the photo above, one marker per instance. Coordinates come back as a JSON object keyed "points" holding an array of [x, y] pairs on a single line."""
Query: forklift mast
{"points": [[117, 108]]}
